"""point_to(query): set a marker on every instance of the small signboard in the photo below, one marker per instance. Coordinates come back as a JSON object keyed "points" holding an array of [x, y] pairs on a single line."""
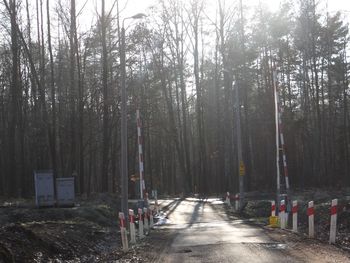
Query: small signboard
{"points": [[65, 191], [44, 191], [273, 221], [241, 168]]}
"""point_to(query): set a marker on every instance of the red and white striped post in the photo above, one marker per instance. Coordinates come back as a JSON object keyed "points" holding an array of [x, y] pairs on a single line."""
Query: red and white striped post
{"points": [[282, 214], [273, 208], [123, 231], [141, 235], [311, 214], [333, 226], [295, 216], [142, 182], [228, 198], [237, 202], [280, 131], [146, 225], [132, 226]]}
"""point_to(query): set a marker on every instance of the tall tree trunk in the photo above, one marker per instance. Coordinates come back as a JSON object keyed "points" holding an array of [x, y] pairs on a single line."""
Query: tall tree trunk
{"points": [[105, 139], [53, 97], [14, 93]]}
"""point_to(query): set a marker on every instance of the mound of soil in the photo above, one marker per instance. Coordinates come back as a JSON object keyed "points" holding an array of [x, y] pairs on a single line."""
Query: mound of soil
{"points": [[87, 232]]}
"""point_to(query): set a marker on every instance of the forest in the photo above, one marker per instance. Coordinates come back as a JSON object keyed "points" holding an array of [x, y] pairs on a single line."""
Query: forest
{"points": [[60, 99]]}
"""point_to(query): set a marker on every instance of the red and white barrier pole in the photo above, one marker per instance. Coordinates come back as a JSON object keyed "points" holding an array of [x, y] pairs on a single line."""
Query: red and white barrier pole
{"points": [[282, 214], [237, 202], [311, 213], [146, 225], [295, 216], [228, 202], [142, 182], [140, 223], [273, 208], [333, 227], [123, 231], [132, 226]]}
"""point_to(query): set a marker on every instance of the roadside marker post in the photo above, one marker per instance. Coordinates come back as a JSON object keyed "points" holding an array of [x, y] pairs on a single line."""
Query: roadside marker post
{"points": [[151, 221], [282, 214], [273, 208], [140, 223], [123, 231], [311, 213], [237, 202], [132, 226], [146, 225], [228, 202], [295, 216], [157, 206], [273, 219], [333, 226]]}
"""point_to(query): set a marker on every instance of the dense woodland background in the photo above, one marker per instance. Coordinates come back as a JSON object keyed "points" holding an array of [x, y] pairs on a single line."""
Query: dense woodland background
{"points": [[60, 94]]}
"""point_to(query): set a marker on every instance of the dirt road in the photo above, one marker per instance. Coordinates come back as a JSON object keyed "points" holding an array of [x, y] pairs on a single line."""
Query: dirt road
{"points": [[203, 231]]}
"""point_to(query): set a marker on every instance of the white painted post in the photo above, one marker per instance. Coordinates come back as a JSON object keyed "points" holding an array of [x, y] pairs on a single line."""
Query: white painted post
{"points": [[123, 231], [311, 213], [132, 226], [157, 206], [140, 223], [237, 202], [228, 198], [151, 222], [295, 216], [333, 227], [283, 214], [146, 225], [273, 208]]}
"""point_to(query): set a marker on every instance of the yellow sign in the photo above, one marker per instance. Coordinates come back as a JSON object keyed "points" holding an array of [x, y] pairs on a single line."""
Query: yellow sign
{"points": [[241, 168], [273, 220]]}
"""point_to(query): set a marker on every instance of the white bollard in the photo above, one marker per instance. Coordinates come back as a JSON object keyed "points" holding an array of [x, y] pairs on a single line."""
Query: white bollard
{"points": [[228, 202], [123, 231], [151, 221], [237, 202], [146, 225], [295, 216], [273, 208], [157, 206], [132, 226], [333, 227], [283, 214], [141, 235], [311, 213]]}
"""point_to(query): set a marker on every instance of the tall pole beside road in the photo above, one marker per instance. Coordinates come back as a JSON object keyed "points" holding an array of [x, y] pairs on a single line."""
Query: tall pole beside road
{"points": [[241, 167], [278, 183], [123, 133]]}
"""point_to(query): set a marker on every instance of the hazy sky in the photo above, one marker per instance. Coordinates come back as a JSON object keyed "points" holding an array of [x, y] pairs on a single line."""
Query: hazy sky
{"points": [[131, 7]]}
